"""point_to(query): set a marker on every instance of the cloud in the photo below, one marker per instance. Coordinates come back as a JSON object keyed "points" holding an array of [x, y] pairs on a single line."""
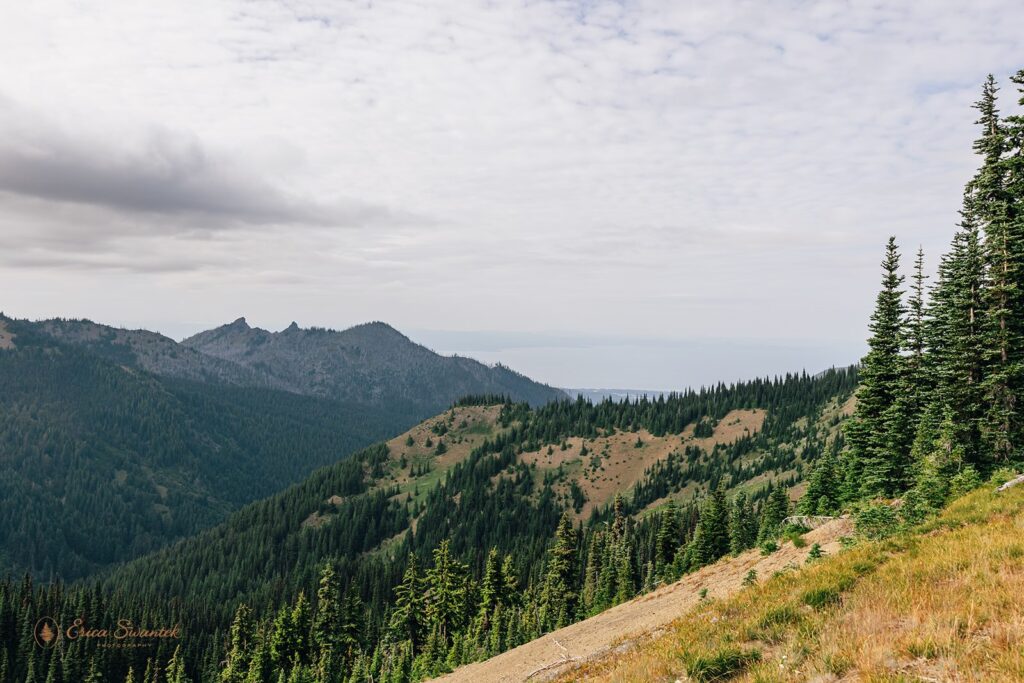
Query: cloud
{"points": [[625, 163], [156, 172]]}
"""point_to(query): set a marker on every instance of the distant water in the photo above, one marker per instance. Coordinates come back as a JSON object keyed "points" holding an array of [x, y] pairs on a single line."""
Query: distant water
{"points": [[617, 395], [661, 365]]}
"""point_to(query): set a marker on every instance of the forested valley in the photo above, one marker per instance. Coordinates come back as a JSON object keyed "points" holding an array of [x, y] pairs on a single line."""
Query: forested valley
{"points": [[405, 561]]}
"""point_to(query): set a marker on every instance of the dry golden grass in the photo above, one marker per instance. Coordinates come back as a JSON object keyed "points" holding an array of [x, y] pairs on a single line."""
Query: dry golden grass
{"points": [[943, 604]]}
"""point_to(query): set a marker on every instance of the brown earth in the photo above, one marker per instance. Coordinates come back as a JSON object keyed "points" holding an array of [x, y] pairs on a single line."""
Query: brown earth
{"points": [[619, 628], [6, 338], [621, 464]]}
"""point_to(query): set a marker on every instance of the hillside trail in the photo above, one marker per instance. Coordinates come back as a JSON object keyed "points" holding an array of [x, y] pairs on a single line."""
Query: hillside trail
{"points": [[616, 629]]}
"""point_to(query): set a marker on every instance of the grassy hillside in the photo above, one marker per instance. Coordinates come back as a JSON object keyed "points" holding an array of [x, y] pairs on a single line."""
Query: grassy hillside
{"points": [[939, 603]]}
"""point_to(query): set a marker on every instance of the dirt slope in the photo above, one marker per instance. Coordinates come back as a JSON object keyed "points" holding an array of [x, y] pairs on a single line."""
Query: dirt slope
{"points": [[558, 652]]}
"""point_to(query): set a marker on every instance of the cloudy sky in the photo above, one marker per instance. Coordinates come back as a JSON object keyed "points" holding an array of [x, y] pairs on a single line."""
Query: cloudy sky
{"points": [[632, 194]]}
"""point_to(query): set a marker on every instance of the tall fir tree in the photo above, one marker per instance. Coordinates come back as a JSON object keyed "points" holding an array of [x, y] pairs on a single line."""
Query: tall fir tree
{"points": [[990, 207], [956, 356], [559, 593], [876, 432], [408, 619]]}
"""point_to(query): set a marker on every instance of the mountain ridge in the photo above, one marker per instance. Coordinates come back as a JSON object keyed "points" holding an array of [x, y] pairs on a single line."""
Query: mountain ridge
{"points": [[371, 363]]}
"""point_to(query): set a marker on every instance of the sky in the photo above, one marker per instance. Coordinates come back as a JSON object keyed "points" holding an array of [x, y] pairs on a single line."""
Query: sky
{"points": [[599, 194]]}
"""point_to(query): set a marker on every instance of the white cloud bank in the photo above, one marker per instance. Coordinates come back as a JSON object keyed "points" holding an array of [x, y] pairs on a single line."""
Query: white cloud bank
{"points": [[670, 169]]}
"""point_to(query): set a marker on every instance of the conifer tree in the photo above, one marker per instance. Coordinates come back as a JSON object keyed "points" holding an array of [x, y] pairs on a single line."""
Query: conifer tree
{"points": [[773, 513], [558, 596], [176, 668], [446, 593], [327, 621], [711, 537], [510, 582], [408, 618], [237, 664], [821, 496], [301, 623], [742, 525], [667, 539], [625, 587], [956, 357], [490, 585], [875, 433], [990, 206]]}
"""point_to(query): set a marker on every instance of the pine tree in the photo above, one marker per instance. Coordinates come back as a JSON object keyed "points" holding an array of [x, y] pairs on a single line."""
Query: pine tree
{"points": [[446, 593], [408, 618], [237, 664], [990, 206], [490, 585], [176, 668], [956, 357], [667, 539], [327, 621], [625, 585], [773, 513], [915, 382], [876, 431], [711, 537], [821, 496], [558, 596], [742, 525], [510, 582]]}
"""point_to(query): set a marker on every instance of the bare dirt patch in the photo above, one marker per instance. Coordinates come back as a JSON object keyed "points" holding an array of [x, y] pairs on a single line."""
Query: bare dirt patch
{"points": [[611, 631], [6, 338], [735, 425], [612, 464], [615, 463]]}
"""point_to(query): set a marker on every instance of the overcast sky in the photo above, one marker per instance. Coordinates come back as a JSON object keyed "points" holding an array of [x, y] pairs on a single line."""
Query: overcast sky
{"points": [[559, 184]]}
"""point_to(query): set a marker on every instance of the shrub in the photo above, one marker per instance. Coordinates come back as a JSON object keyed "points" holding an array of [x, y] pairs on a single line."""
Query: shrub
{"points": [[964, 481], [778, 616], [1001, 476], [751, 578], [819, 598], [769, 547], [876, 521], [816, 553], [720, 665]]}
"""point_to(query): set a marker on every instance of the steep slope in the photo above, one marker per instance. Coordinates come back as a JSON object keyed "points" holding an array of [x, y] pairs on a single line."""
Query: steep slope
{"points": [[372, 364], [941, 602], [101, 462], [613, 630], [482, 476], [145, 350]]}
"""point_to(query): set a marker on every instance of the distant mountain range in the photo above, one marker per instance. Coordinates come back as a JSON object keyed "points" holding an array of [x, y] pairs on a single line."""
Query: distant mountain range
{"points": [[373, 364], [115, 442]]}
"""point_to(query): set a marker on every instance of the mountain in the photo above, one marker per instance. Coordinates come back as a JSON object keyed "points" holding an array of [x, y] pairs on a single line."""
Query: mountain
{"points": [[101, 462], [158, 440], [146, 350], [484, 476], [372, 364]]}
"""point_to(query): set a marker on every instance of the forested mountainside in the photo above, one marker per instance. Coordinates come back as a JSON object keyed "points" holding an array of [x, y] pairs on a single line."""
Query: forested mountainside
{"points": [[101, 462], [373, 364], [465, 515]]}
